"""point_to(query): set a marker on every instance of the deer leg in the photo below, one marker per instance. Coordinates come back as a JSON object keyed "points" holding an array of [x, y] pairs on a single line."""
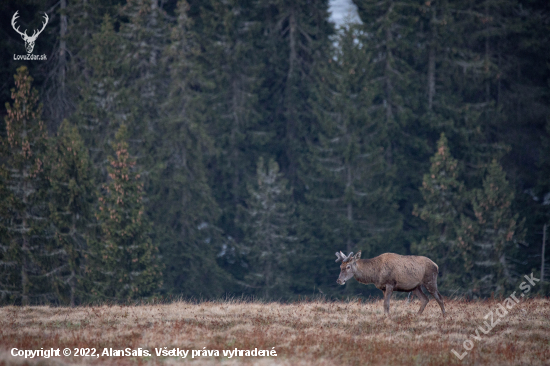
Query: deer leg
{"points": [[439, 300], [432, 289], [423, 298], [387, 296]]}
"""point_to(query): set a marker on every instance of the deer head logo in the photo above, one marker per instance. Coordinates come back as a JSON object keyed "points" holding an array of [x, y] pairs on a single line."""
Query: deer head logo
{"points": [[29, 41]]}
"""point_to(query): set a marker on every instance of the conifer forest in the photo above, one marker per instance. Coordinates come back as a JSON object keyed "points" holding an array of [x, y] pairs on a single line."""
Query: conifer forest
{"points": [[203, 149]]}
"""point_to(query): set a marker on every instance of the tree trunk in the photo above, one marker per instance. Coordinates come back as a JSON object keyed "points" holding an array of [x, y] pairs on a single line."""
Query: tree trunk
{"points": [[349, 210], [73, 287], [542, 254], [24, 280], [24, 267], [487, 57], [290, 114], [431, 62], [63, 50], [234, 148], [25, 248], [388, 85]]}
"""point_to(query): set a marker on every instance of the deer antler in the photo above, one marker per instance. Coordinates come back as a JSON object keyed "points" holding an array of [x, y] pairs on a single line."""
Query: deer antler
{"points": [[35, 35], [24, 34], [15, 16], [342, 257]]}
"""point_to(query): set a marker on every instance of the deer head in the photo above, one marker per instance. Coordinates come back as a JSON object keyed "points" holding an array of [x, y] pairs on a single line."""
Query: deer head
{"points": [[29, 41], [348, 267]]}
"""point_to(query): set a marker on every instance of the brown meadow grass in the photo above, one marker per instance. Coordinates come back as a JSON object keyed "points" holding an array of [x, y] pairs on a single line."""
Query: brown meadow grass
{"points": [[304, 333]]}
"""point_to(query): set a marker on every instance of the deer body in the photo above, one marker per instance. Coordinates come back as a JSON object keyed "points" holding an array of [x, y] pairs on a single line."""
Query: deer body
{"points": [[393, 272]]}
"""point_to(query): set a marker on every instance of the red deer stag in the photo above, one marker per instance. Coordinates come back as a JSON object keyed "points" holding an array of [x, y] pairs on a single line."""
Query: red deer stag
{"points": [[393, 272]]}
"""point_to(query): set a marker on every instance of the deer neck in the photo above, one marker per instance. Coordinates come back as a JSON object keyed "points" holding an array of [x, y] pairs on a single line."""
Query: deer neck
{"points": [[365, 272]]}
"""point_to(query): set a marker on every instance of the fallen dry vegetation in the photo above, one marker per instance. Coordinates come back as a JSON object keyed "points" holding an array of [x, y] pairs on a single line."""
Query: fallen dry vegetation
{"points": [[307, 333]]}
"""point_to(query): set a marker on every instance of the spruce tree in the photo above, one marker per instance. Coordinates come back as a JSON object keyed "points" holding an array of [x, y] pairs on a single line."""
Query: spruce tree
{"points": [[72, 199], [389, 28], [227, 77], [6, 256], [493, 233], [125, 264], [349, 181], [296, 36], [225, 74], [181, 201], [26, 258], [542, 205], [543, 183], [68, 69], [444, 197], [440, 70], [392, 31], [270, 244], [143, 35], [103, 103], [476, 72]]}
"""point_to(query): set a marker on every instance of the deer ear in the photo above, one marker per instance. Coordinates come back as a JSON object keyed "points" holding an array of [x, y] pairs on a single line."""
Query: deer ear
{"points": [[357, 256]]}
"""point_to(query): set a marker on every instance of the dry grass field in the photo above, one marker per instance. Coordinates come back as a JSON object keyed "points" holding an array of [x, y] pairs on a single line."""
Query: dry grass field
{"points": [[306, 333]]}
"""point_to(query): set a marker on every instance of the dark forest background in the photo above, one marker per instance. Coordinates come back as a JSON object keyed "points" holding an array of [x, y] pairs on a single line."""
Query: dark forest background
{"points": [[212, 148]]}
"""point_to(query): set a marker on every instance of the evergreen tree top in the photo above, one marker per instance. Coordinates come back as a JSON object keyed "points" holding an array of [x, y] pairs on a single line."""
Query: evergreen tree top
{"points": [[441, 188], [443, 163], [25, 113]]}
